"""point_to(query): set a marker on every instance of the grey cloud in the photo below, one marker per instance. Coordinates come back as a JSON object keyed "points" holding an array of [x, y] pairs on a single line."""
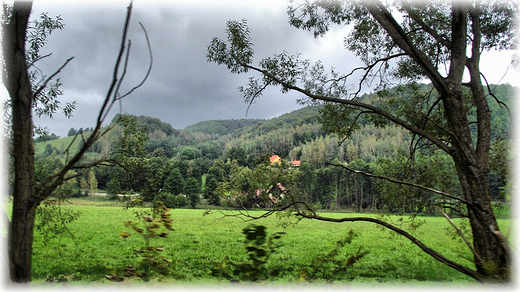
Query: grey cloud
{"points": [[183, 88]]}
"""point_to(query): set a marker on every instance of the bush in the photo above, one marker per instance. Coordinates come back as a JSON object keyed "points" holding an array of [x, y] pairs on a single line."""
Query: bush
{"points": [[259, 248], [171, 201], [151, 263]]}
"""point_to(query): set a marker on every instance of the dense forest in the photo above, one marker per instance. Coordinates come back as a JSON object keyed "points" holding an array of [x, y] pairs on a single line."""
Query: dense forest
{"points": [[215, 162]]}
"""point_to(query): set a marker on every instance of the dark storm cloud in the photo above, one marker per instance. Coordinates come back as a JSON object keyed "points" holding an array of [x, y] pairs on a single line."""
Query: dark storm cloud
{"points": [[183, 88]]}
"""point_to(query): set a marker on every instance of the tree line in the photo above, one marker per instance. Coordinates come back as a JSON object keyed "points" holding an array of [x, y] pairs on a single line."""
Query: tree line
{"points": [[182, 166]]}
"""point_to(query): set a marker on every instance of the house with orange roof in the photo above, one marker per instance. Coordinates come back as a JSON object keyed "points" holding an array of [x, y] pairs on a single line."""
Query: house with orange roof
{"points": [[275, 159], [295, 163]]}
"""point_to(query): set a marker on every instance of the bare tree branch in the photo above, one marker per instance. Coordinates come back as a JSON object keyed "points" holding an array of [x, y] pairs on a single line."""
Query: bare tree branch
{"points": [[351, 127], [149, 66], [460, 233], [44, 184], [367, 69], [115, 76], [442, 40], [453, 207], [257, 93], [372, 108], [38, 59], [121, 78], [58, 178], [500, 103]]}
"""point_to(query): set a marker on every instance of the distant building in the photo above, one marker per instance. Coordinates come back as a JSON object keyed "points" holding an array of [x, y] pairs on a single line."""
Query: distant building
{"points": [[295, 163], [275, 159]]}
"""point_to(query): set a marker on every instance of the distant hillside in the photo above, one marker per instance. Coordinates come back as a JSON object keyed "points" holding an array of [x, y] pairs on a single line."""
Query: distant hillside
{"points": [[153, 124], [306, 115], [56, 144], [295, 135], [220, 127]]}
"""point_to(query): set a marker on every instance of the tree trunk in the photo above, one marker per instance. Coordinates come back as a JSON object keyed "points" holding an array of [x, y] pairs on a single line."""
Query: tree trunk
{"points": [[338, 192], [20, 243], [24, 198], [361, 200], [492, 257], [357, 198]]}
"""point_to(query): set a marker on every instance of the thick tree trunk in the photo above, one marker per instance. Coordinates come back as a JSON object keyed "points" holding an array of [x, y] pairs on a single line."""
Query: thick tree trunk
{"points": [[24, 203], [492, 257], [24, 198], [20, 244]]}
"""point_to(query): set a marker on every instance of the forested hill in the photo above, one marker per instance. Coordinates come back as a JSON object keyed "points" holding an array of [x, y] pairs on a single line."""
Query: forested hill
{"points": [[293, 136], [306, 115], [153, 125], [220, 127]]}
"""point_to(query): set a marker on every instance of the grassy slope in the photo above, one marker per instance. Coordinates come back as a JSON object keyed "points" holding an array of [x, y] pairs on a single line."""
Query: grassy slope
{"points": [[61, 144], [199, 241]]}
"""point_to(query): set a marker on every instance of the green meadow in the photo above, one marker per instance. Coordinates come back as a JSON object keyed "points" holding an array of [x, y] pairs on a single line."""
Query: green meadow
{"points": [[200, 241], [60, 144]]}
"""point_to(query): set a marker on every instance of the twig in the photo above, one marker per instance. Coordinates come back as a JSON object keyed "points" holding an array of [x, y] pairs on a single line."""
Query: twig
{"points": [[149, 66], [500, 103], [115, 75], [41, 88], [38, 59], [460, 234]]}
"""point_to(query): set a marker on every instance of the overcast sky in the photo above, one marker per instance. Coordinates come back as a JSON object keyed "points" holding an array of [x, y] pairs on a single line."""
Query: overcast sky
{"points": [[183, 87]]}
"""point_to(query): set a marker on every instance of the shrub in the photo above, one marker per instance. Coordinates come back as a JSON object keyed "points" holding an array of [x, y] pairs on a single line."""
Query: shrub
{"points": [[259, 247], [171, 201], [149, 226]]}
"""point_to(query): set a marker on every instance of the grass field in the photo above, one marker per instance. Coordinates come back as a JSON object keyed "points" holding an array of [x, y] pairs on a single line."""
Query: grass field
{"points": [[200, 241], [60, 144]]}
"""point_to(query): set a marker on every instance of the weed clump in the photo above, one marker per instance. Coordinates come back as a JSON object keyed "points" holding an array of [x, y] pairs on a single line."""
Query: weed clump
{"points": [[151, 225]]}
